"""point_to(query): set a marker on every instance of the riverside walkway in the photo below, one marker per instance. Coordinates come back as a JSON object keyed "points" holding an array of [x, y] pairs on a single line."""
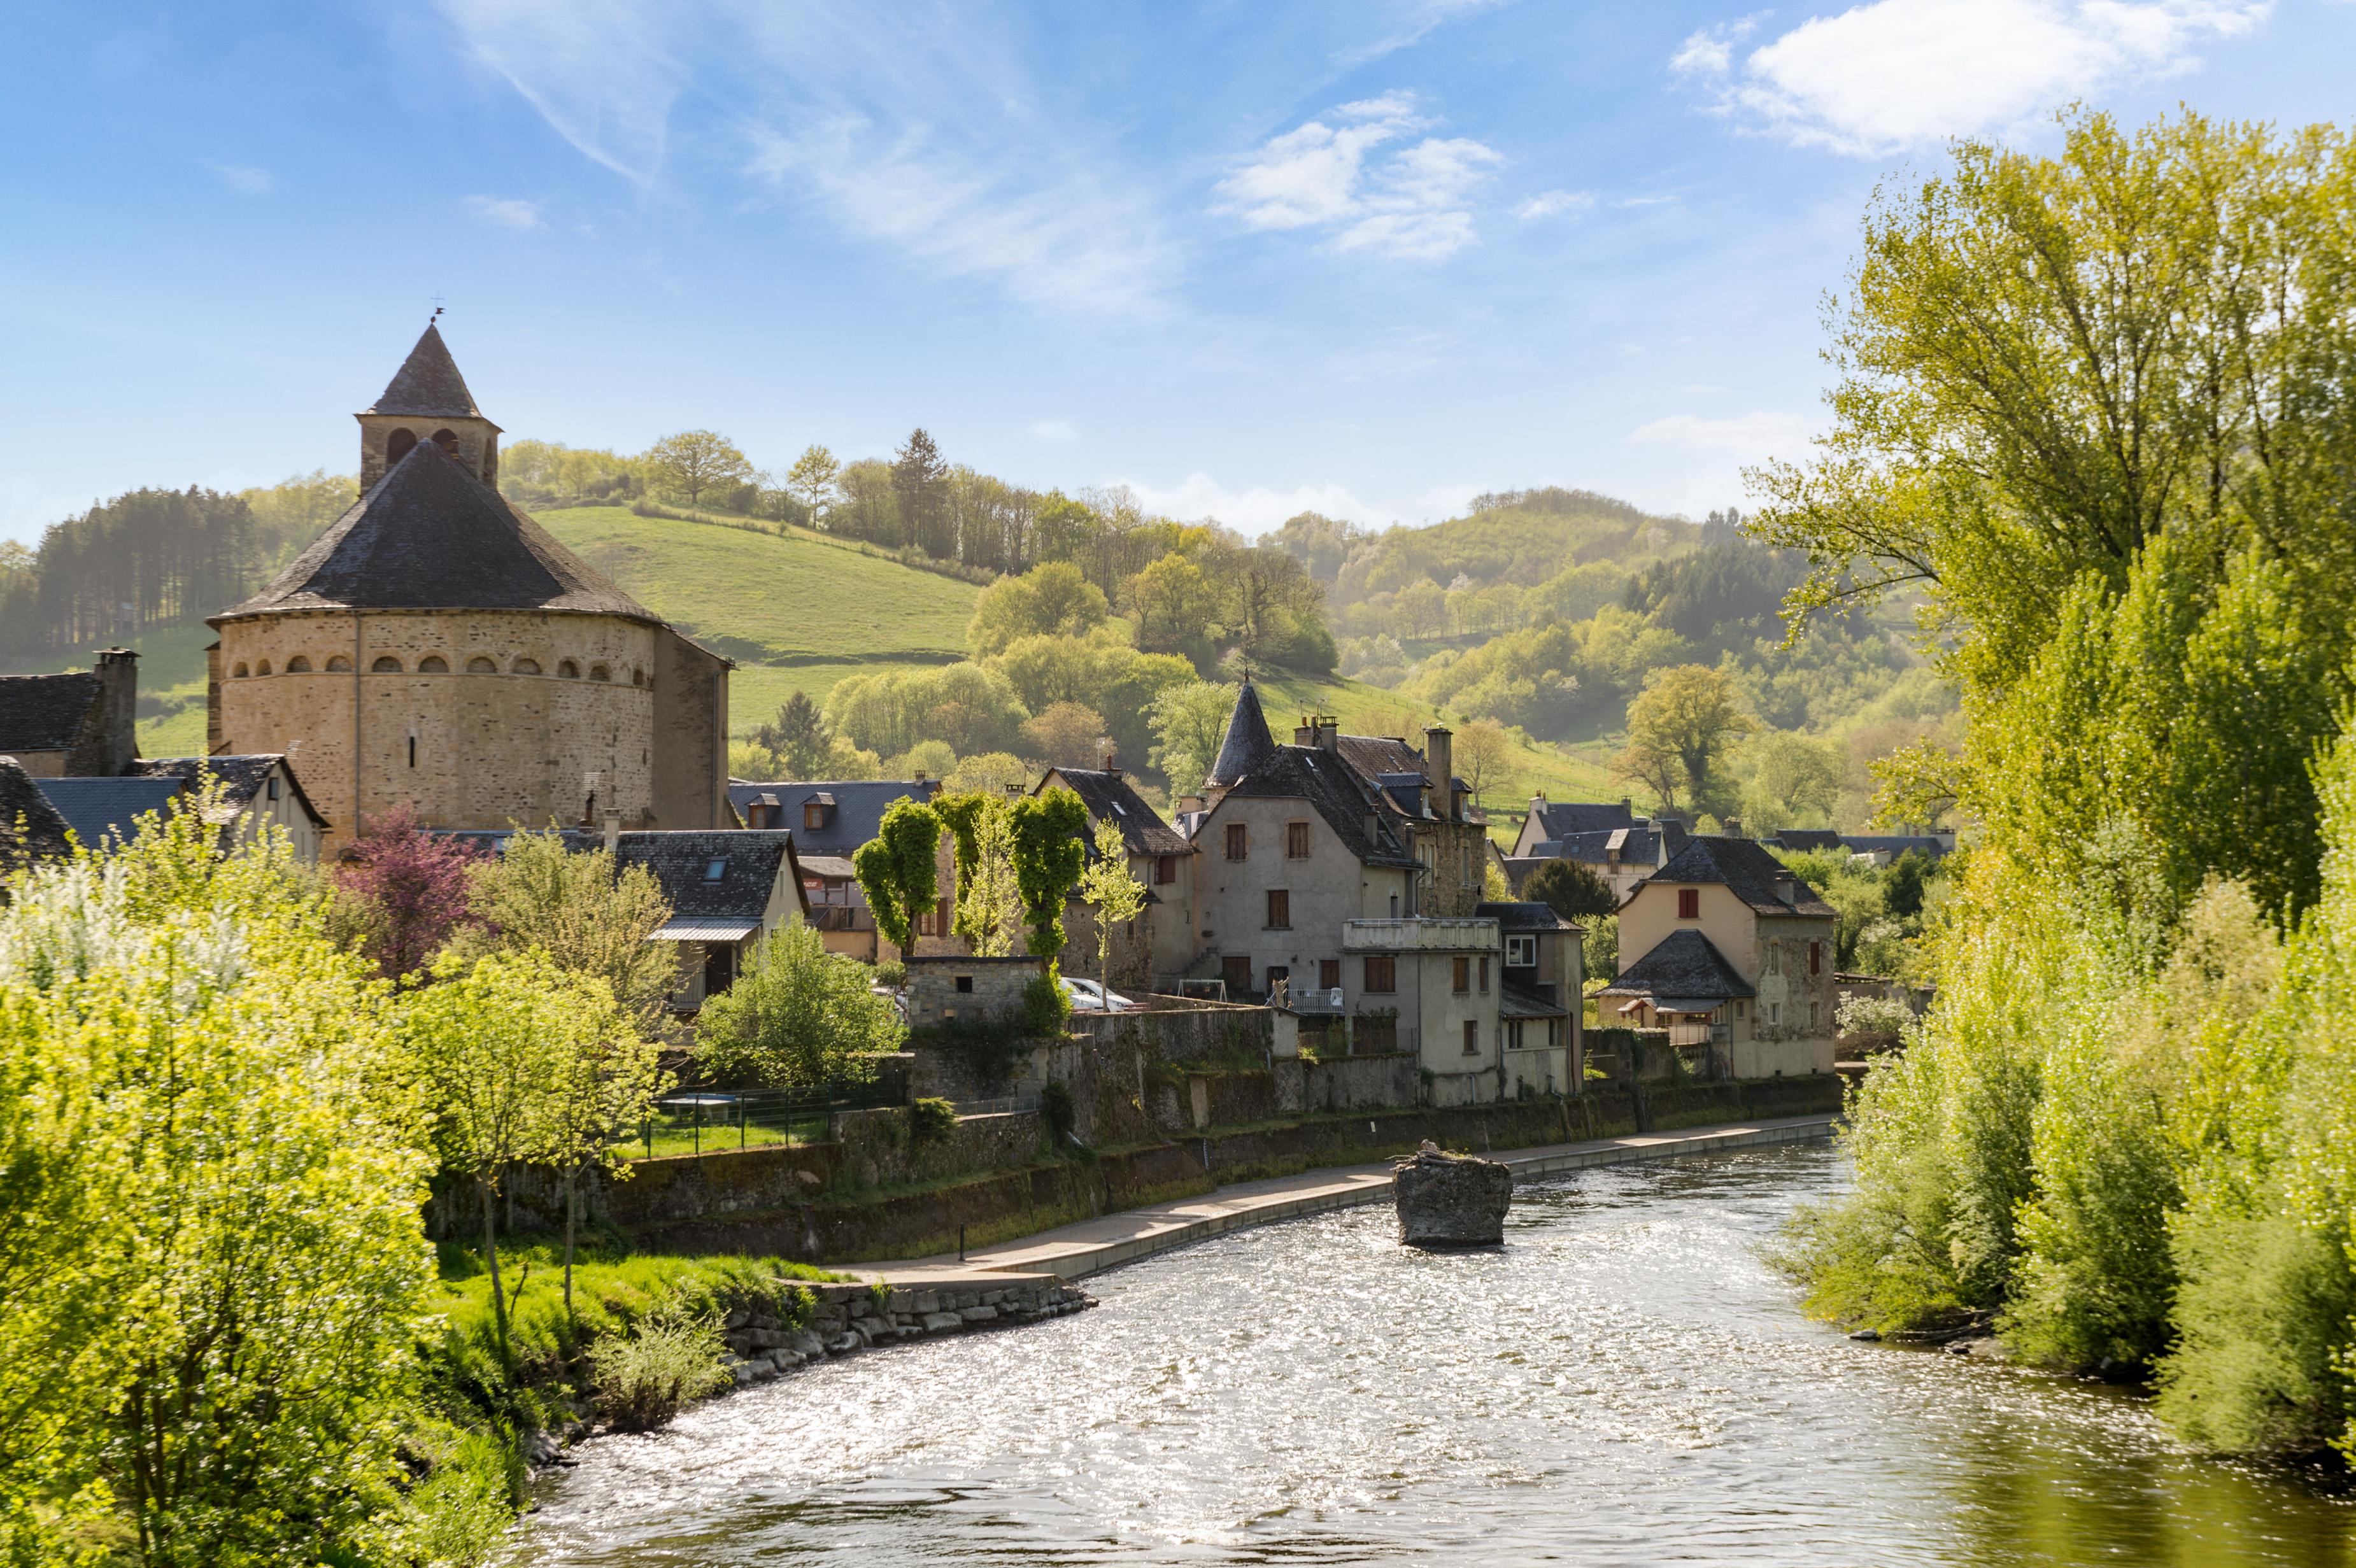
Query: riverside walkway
{"points": [[1091, 1246]]}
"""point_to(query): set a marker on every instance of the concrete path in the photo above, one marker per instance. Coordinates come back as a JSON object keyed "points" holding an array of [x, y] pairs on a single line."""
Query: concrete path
{"points": [[1091, 1246]]}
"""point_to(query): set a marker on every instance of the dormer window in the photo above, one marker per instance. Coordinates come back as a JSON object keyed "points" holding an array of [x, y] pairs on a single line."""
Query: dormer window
{"points": [[715, 871], [813, 815]]}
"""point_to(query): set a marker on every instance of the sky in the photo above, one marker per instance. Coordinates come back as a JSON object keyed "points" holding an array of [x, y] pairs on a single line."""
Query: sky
{"points": [[1249, 258]]}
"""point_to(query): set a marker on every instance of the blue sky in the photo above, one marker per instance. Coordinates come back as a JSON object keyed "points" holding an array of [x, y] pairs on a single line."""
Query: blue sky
{"points": [[1369, 258]]}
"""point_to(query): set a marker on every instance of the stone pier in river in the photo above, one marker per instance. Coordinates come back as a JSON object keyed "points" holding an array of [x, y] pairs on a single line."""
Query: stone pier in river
{"points": [[1451, 1199]]}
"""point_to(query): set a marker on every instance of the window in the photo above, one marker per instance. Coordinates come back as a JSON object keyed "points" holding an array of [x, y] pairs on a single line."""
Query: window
{"points": [[397, 445], [1812, 1017], [813, 815], [1689, 903], [934, 921], [719, 968], [240, 673], [433, 664], [1521, 951], [1165, 869], [1463, 976], [715, 871], [1484, 973], [527, 667], [1238, 841], [1774, 958], [1235, 968], [412, 751], [1328, 973], [1278, 974], [385, 665], [263, 668], [337, 665], [965, 983], [1280, 908], [1395, 906], [1381, 976], [637, 676], [598, 672], [479, 665], [1815, 957], [1512, 1034], [1471, 1034], [298, 665], [1295, 841], [447, 440], [568, 671], [273, 786], [1774, 1012]]}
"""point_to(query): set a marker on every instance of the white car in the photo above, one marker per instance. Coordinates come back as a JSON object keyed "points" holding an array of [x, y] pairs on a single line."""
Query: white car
{"points": [[1088, 996]]}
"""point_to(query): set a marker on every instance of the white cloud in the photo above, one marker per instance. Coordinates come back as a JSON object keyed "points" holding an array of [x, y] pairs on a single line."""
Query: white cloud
{"points": [[243, 180], [1052, 430], [1250, 511], [595, 69], [506, 212], [1748, 437], [1412, 202], [1898, 73], [1554, 203]]}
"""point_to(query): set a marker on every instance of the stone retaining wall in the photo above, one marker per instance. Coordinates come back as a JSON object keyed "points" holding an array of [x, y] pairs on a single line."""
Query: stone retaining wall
{"points": [[849, 1318], [1349, 1083], [877, 1148]]}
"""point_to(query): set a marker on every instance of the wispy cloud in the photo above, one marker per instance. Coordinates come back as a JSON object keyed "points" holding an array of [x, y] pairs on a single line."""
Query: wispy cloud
{"points": [[599, 71], [1413, 201], [1057, 431], [244, 180], [1892, 74], [1554, 204], [506, 212], [1254, 510], [1759, 435]]}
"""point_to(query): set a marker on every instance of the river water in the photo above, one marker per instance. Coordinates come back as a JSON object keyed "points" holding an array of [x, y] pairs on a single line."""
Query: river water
{"points": [[1624, 1382]]}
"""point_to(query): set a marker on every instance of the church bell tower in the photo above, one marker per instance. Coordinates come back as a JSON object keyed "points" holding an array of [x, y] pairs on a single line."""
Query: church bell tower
{"points": [[427, 401]]}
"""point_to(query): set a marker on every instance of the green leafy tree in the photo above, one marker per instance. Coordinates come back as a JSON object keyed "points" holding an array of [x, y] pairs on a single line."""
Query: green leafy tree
{"points": [[588, 914], [695, 463], [1482, 754], [609, 1078], [918, 478], [1177, 608], [1572, 890], [1794, 781], [1064, 734], [1679, 731], [1109, 888], [1053, 599], [797, 737], [1049, 852], [897, 868], [1189, 720], [989, 900], [798, 1018], [812, 480]]}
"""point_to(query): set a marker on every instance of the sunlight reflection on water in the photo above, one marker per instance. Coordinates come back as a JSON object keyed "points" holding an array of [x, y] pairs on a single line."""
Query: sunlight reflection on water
{"points": [[1623, 1382]]}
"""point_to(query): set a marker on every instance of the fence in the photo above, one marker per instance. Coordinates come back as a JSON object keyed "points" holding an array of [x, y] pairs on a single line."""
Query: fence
{"points": [[699, 1121]]}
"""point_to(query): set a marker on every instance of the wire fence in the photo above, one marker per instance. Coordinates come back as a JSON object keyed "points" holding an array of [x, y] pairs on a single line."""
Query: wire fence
{"points": [[712, 1121]]}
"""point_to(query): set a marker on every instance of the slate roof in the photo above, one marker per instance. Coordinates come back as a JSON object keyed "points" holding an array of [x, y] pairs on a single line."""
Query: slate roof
{"points": [[1327, 783], [858, 809], [1893, 844], [1107, 795], [30, 827], [430, 535], [1518, 1001], [241, 777], [44, 712], [1683, 965], [1378, 755], [1639, 846], [1745, 869], [1563, 818], [751, 860], [1522, 915], [1803, 839], [1247, 743], [98, 808], [427, 385]]}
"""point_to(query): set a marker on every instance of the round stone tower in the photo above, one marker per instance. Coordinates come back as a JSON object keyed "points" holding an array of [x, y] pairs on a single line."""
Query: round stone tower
{"points": [[437, 648]]}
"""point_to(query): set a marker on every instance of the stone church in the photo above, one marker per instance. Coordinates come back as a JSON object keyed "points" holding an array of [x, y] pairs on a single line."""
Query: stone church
{"points": [[436, 647]]}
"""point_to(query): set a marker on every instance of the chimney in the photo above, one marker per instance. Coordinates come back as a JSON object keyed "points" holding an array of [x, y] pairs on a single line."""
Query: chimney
{"points": [[1190, 803], [1439, 761], [1947, 837], [1733, 827], [1112, 763], [118, 690], [919, 773], [1787, 888], [612, 831]]}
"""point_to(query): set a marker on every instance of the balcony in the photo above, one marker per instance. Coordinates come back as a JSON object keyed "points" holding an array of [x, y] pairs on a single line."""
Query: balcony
{"points": [[1412, 934]]}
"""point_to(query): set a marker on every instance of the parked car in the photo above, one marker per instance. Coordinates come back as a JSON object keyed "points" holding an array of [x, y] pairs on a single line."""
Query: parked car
{"points": [[1088, 996]]}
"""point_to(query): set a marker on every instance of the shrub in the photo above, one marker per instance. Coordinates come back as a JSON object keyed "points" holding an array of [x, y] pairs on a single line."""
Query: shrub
{"points": [[892, 975], [931, 1119], [1046, 1009], [644, 1379], [1063, 1116]]}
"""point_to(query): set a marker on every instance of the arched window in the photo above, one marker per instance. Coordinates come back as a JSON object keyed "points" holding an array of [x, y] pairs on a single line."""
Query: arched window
{"points": [[598, 672], [397, 445], [637, 676], [298, 665], [568, 671], [479, 665], [385, 665], [238, 674], [336, 665], [262, 668], [527, 667], [447, 440], [433, 664]]}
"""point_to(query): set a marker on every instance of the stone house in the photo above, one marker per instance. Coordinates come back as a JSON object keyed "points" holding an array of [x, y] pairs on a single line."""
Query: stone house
{"points": [[255, 791], [1618, 846], [1726, 948], [1540, 999], [1160, 944], [727, 890], [829, 820], [31, 830], [437, 648], [75, 724], [1428, 985]]}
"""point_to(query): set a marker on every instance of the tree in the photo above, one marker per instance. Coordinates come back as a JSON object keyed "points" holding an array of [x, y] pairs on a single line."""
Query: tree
{"points": [[811, 481], [1048, 855], [1482, 752], [1422, 608], [1678, 730], [1793, 780], [989, 772], [1065, 735], [797, 736], [897, 872], [989, 899], [695, 462], [408, 888], [589, 916], [1189, 721], [609, 1078], [1572, 890], [1109, 887], [1176, 606], [799, 1018], [1051, 599], [917, 473]]}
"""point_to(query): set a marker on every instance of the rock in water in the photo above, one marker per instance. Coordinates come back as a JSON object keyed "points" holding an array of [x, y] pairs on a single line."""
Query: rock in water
{"points": [[1452, 1200]]}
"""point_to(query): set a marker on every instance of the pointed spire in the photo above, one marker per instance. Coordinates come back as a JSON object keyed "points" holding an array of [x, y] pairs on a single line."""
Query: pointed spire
{"points": [[427, 385], [1248, 745]]}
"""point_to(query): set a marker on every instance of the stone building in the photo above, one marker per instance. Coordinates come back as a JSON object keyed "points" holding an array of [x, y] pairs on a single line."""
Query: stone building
{"points": [[1156, 947], [73, 725], [437, 648]]}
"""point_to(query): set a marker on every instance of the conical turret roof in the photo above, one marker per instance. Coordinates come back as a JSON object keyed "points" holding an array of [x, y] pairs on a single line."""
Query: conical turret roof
{"points": [[1248, 745], [430, 535], [427, 385]]}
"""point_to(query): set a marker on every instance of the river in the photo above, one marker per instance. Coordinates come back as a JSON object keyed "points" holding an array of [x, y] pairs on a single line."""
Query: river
{"points": [[1624, 1382]]}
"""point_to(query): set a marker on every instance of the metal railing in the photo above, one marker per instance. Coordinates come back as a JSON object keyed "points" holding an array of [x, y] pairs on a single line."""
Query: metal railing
{"points": [[711, 1121]]}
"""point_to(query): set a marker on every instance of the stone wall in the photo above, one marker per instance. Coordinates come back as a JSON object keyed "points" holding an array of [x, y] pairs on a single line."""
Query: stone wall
{"points": [[966, 989], [845, 1319], [690, 784], [877, 1147], [1186, 1031], [1348, 1083]]}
